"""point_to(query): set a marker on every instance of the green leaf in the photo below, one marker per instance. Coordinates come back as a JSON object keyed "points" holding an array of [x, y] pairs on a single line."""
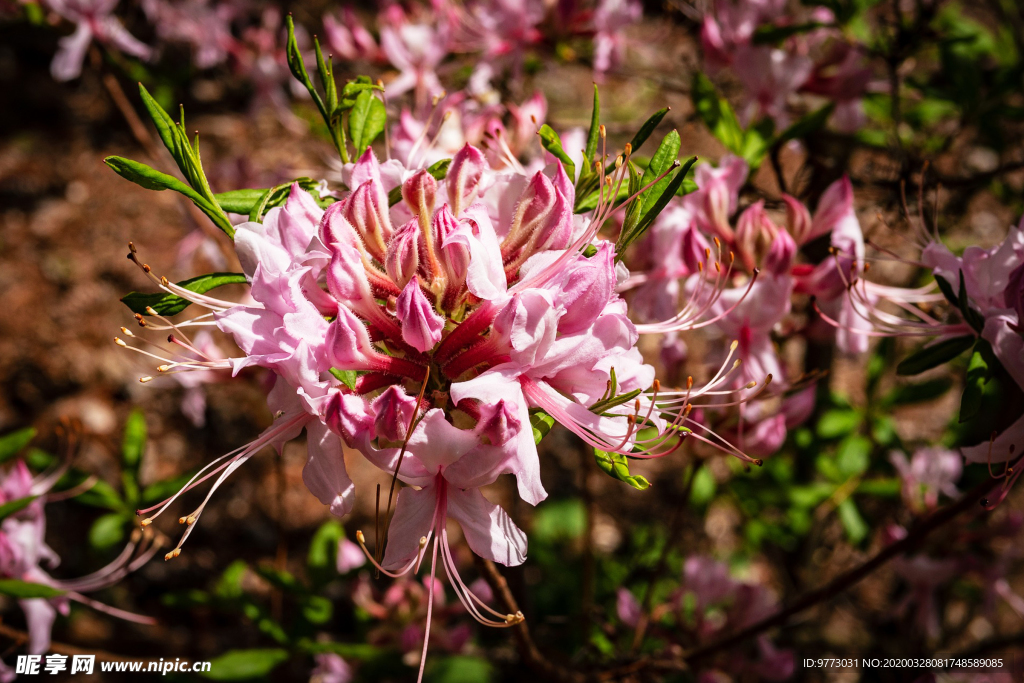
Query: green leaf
{"points": [[102, 495], [163, 489], [947, 291], [108, 530], [676, 181], [559, 520], [836, 423], [616, 466], [240, 665], [551, 142], [356, 651], [462, 669], [971, 316], [280, 578], [645, 130], [909, 394], [716, 113], [229, 585], [346, 377], [15, 506], [323, 548], [239, 201], [133, 445], [978, 373], [152, 179], [317, 609], [661, 162], [541, 423], [853, 455], [703, 488], [165, 128], [595, 130], [811, 495], [366, 120], [25, 589], [13, 443], [855, 526], [934, 355], [172, 304]]}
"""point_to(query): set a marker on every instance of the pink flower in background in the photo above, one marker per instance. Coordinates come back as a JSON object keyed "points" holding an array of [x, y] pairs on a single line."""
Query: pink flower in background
{"points": [[349, 39], [94, 20], [610, 19], [929, 472], [331, 668], [203, 24]]}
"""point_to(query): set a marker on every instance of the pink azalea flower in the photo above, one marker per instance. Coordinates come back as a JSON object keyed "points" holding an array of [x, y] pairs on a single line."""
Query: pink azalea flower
{"points": [[204, 25], [24, 552], [349, 39], [610, 19], [94, 20], [331, 668], [929, 471]]}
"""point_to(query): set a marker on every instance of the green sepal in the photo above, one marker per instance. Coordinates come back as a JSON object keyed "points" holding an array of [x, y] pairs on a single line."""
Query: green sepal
{"points": [[541, 423], [616, 466]]}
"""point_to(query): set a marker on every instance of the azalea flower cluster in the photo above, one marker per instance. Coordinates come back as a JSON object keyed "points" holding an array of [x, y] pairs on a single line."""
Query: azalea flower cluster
{"points": [[754, 302], [431, 324], [776, 55]]}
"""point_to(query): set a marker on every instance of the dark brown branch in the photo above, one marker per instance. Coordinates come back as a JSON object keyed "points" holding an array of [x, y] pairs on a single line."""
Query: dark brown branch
{"points": [[528, 650], [844, 581]]}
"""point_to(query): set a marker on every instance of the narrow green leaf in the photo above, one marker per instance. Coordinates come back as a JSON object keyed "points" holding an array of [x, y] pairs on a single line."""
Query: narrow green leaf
{"points": [[133, 445], [921, 392], [152, 179], [13, 443], [171, 304], [947, 291], [971, 316], [11, 507], [595, 129], [165, 126], [662, 161], [239, 201], [295, 63], [978, 373], [668, 191], [616, 466], [605, 404], [934, 355], [645, 130], [240, 665], [366, 120], [856, 528], [716, 113], [551, 142], [25, 589]]}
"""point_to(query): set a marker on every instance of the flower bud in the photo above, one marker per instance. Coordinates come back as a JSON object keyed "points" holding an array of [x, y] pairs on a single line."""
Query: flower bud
{"points": [[498, 422], [421, 326], [753, 230], [453, 256], [403, 255], [543, 218], [392, 411], [463, 178], [346, 414], [587, 290], [798, 219], [780, 253], [367, 212], [335, 228], [419, 192], [348, 343], [346, 277]]}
